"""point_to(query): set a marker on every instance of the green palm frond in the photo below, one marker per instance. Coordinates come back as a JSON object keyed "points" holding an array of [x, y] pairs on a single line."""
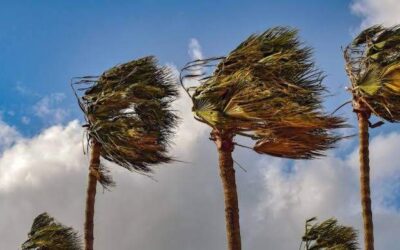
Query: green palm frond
{"points": [[48, 234], [373, 65], [265, 86], [329, 235], [128, 112]]}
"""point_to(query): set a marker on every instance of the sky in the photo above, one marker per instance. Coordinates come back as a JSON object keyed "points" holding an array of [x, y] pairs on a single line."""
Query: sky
{"points": [[43, 44]]}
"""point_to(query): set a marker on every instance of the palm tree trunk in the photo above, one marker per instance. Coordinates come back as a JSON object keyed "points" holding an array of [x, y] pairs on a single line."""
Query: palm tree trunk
{"points": [[365, 180], [225, 147], [91, 194]]}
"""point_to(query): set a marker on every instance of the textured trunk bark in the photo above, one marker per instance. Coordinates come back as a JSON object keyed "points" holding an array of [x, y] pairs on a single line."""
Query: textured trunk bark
{"points": [[91, 194], [225, 147], [365, 180]]}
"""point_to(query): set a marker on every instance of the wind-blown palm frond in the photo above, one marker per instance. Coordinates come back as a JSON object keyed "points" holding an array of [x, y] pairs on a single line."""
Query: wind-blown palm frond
{"points": [[269, 90], [48, 234], [295, 143], [128, 112], [329, 235], [373, 65]]}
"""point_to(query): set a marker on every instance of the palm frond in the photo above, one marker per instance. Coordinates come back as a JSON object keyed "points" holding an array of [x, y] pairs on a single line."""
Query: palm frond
{"points": [[46, 233], [266, 86], [373, 65], [329, 235], [295, 142], [128, 112]]}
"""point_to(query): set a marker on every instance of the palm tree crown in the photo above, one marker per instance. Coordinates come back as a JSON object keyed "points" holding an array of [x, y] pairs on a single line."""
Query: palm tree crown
{"points": [[373, 65], [48, 234], [129, 122], [269, 90], [329, 235], [128, 112]]}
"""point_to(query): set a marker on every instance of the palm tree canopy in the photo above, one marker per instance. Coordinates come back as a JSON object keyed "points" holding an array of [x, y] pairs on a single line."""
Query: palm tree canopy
{"points": [[373, 64], [269, 90], [48, 234], [128, 112], [329, 235]]}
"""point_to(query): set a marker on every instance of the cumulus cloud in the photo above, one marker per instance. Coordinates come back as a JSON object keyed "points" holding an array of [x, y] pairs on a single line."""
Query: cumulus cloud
{"points": [[184, 208], [17, 161], [377, 12], [385, 172], [380, 156], [43, 173], [323, 188]]}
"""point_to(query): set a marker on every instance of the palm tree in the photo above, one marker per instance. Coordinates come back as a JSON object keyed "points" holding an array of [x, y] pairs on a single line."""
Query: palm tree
{"points": [[373, 66], [268, 90], [129, 122], [328, 235], [48, 234]]}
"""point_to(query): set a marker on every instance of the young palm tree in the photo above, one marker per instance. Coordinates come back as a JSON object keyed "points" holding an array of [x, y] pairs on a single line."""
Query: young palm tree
{"points": [[48, 234], [268, 90], [129, 122], [373, 66], [328, 235]]}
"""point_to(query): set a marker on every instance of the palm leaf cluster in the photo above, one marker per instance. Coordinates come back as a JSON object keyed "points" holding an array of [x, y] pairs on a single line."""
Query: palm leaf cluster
{"points": [[128, 112], [267, 89], [373, 65], [48, 234], [329, 235]]}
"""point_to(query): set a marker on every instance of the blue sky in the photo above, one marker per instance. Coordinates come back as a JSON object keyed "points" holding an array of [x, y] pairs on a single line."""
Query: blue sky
{"points": [[43, 44]]}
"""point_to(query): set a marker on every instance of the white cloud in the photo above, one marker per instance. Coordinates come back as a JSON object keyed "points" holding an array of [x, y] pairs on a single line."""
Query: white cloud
{"points": [[323, 188], [195, 51], [43, 173], [381, 157], [189, 130], [377, 12], [385, 171], [184, 209], [8, 135], [48, 108], [29, 161]]}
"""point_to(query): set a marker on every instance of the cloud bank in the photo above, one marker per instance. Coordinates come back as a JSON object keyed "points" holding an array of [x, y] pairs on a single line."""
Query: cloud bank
{"points": [[377, 12], [184, 208]]}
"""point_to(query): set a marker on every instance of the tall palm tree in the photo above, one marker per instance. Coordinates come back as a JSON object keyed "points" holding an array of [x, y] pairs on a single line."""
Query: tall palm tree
{"points": [[267, 89], [48, 234], [328, 235], [129, 122], [373, 66]]}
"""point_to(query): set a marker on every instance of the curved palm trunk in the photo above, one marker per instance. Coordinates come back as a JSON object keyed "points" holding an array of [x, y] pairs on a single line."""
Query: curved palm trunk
{"points": [[365, 180], [91, 194], [225, 147]]}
